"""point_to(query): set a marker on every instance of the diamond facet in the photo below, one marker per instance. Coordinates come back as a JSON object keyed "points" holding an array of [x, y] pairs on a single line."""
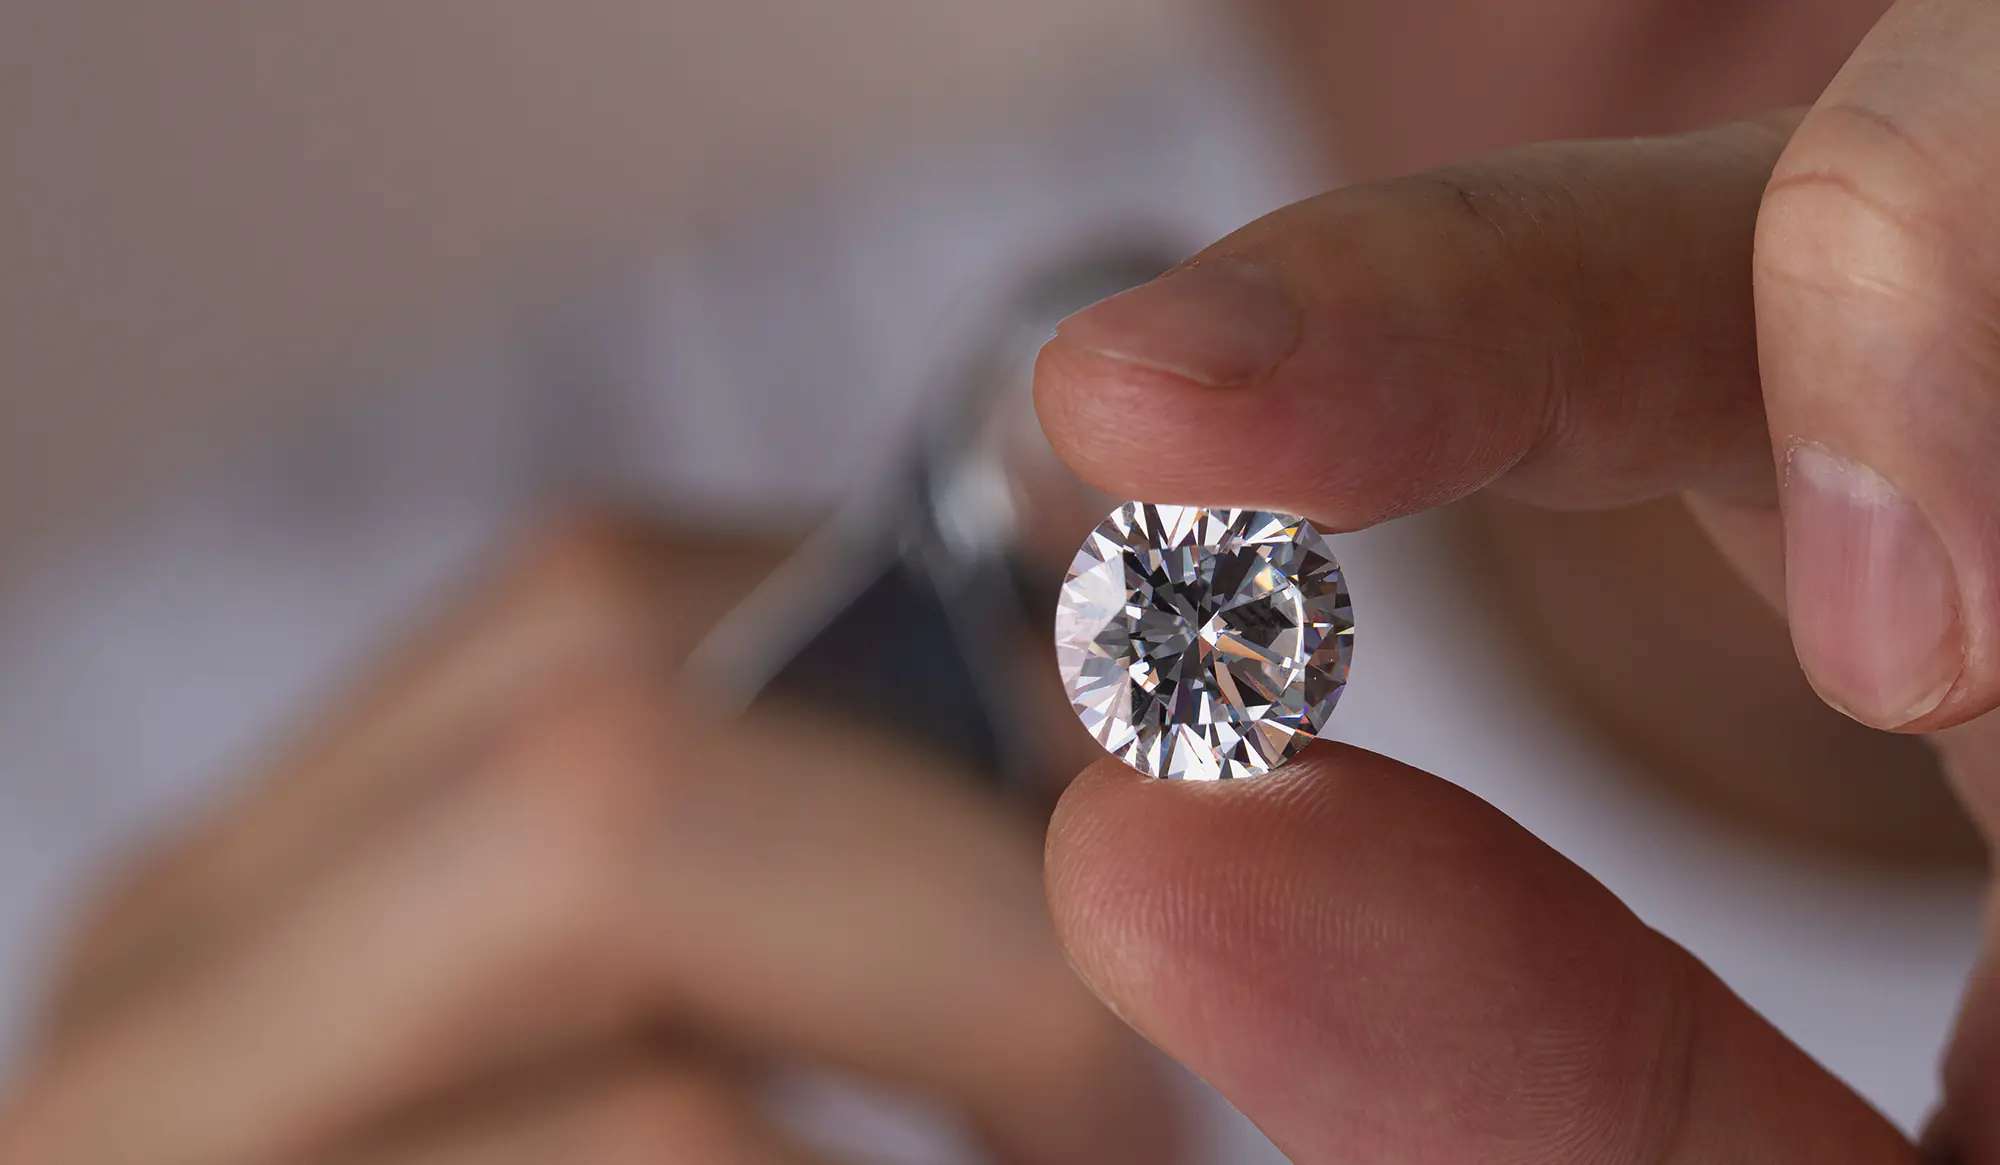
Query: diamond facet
{"points": [[1204, 644]]}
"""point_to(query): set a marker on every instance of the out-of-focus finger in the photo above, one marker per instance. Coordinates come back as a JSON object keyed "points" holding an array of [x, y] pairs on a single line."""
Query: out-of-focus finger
{"points": [[652, 1112], [900, 930], [792, 889], [1878, 305], [370, 989], [585, 593], [1374, 965]]}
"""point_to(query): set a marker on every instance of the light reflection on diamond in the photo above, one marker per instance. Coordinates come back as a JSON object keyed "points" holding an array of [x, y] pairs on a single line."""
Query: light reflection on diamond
{"points": [[1204, 644]]}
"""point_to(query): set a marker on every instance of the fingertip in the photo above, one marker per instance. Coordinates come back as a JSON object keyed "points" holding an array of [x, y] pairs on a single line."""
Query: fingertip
{"points": [[1137, 432], [1132, 430], [1169, 893], [1357, 954]]}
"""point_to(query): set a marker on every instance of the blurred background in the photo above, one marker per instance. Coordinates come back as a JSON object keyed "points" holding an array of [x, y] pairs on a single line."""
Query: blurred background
{"points": [[304, 310], [204, 205]]}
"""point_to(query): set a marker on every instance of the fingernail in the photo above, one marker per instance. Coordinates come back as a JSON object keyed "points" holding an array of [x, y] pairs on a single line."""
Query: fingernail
{"points": [[1216, 322], [1873, 604]]}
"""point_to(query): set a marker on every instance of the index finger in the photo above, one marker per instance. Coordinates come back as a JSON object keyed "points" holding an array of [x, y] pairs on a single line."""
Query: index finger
{"points": [[1572, 323]]}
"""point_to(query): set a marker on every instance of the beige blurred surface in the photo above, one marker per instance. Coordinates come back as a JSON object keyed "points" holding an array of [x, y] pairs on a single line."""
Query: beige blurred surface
{"points": [[200, 202]]}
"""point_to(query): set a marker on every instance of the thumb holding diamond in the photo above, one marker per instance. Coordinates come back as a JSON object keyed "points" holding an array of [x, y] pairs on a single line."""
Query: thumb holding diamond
{"points": [[1374, 965]]}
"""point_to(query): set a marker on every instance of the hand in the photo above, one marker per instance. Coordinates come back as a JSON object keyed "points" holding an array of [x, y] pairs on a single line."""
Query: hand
{"points": [[1792, 323], [524, 900]]}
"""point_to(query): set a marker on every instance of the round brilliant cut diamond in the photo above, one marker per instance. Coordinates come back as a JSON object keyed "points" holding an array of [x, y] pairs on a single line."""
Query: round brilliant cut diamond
{"points": [[1204, 644]]}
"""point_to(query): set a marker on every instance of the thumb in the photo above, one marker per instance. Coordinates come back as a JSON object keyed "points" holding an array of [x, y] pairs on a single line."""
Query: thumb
{"points": [[1878, 308], [1374, 965]]}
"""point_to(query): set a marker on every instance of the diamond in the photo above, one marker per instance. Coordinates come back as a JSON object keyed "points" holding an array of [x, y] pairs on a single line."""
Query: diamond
{"points": [[1204, 644]]}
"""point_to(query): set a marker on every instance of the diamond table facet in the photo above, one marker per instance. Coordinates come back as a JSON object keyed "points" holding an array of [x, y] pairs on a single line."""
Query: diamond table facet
{"points": [[1204, 644]]}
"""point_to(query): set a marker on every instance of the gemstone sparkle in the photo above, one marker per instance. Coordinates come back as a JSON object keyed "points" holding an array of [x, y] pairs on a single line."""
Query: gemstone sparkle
{"points": [[1204, 644]]}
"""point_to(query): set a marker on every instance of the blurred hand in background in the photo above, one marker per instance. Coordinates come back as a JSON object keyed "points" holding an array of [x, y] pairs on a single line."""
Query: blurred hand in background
{"points": [[524, 898]]}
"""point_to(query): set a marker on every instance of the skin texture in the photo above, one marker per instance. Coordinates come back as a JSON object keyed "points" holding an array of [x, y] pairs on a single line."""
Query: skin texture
{"points": [[1391, 970], [519, 896], [1788, 323]]}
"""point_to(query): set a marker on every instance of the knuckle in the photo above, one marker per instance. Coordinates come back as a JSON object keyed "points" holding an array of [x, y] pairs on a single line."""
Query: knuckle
{"points": [[585, 561], [1858, 208], [571, 608], [603, 582], [1488, 200], [577, 778], [1530, 204], [580, 542]]}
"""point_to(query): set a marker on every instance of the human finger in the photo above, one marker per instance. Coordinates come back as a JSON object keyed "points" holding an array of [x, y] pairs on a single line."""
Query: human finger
{"points": [[1878, 298], [1877, 280], [641, 1112], [584, 592], [1569, 323], [1374, 965], [620, 864]]}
